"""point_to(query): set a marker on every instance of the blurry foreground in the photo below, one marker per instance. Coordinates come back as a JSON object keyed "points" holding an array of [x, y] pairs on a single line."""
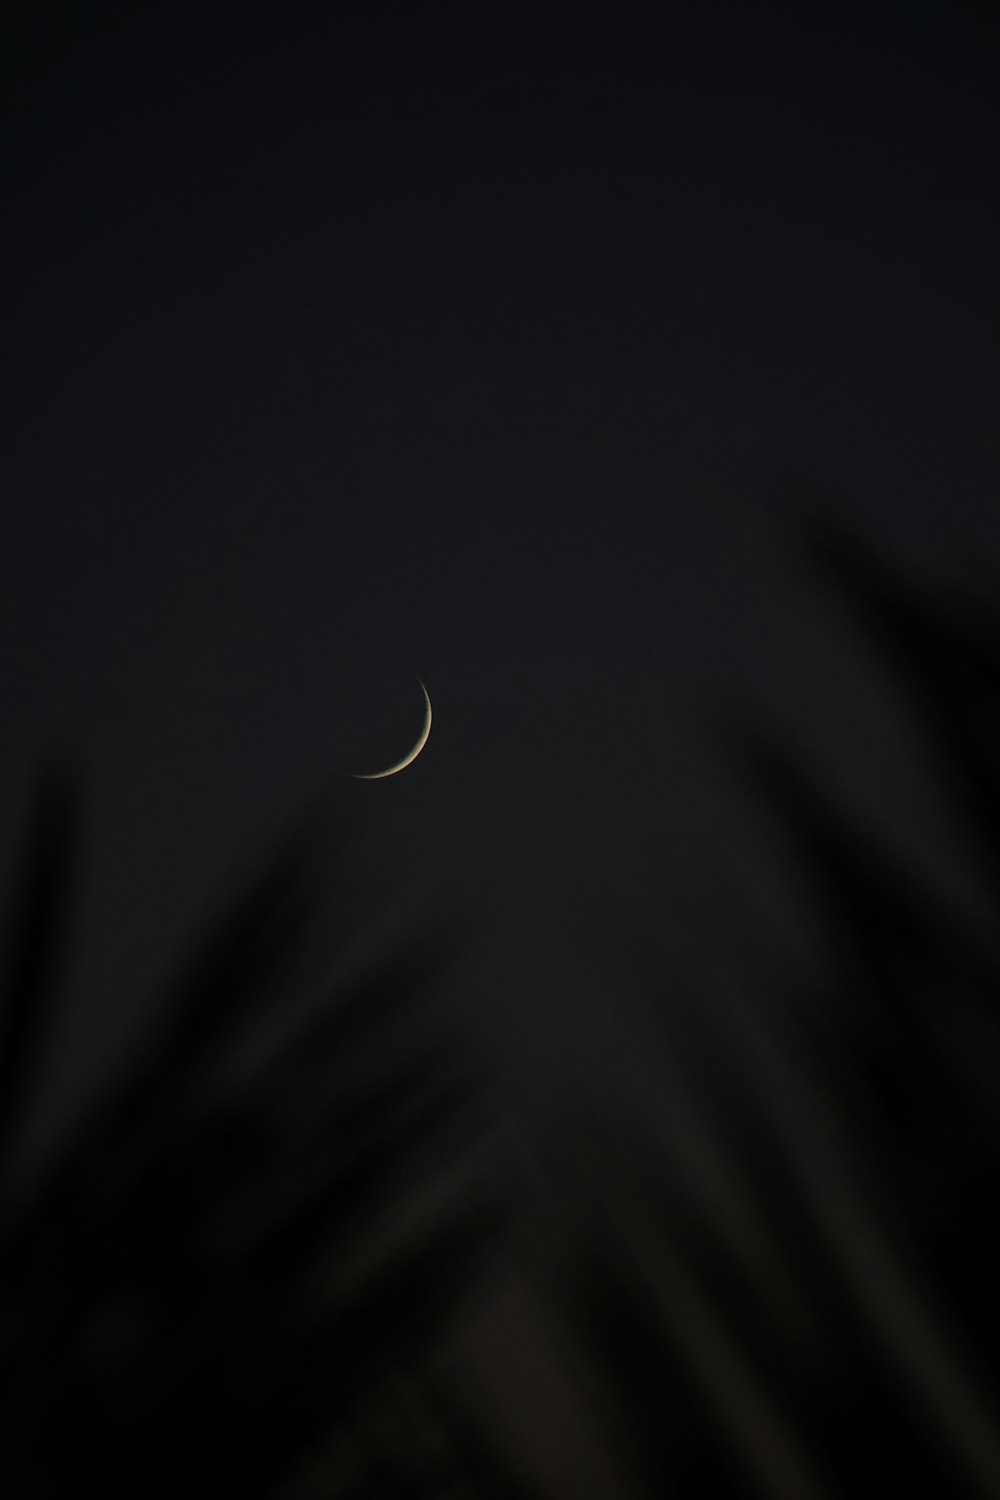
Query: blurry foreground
{"points": [[302, 1250]]}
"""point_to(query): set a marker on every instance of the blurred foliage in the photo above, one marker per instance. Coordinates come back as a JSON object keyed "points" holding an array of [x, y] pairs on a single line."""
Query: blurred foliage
{"points": [[212, 1287], [783, 1285], [794, 1279]]}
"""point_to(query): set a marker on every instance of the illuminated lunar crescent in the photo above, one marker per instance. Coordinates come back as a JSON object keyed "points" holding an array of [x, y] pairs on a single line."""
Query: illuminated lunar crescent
{"points": [[407, 760]]}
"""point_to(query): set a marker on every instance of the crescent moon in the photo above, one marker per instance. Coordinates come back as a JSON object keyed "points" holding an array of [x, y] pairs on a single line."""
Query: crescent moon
{"points": [[407, 760]]}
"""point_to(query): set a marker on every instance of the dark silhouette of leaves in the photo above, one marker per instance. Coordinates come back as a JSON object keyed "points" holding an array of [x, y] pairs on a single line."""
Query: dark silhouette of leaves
{"points": [[779, 1283], [206, 1281], [790, 1281], [948, 656]]}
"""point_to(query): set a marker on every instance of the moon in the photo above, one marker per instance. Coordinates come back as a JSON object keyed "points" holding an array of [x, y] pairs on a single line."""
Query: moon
{"points": [[407, 760]]}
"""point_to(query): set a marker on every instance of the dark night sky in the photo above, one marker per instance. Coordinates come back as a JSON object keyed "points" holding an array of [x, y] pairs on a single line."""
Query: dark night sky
{"points": [[497, 350]]}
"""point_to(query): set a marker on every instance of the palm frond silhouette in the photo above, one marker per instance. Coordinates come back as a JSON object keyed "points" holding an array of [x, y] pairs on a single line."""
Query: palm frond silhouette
{"points": [[784, 1286], [791, 1283], [207, 1290]]}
